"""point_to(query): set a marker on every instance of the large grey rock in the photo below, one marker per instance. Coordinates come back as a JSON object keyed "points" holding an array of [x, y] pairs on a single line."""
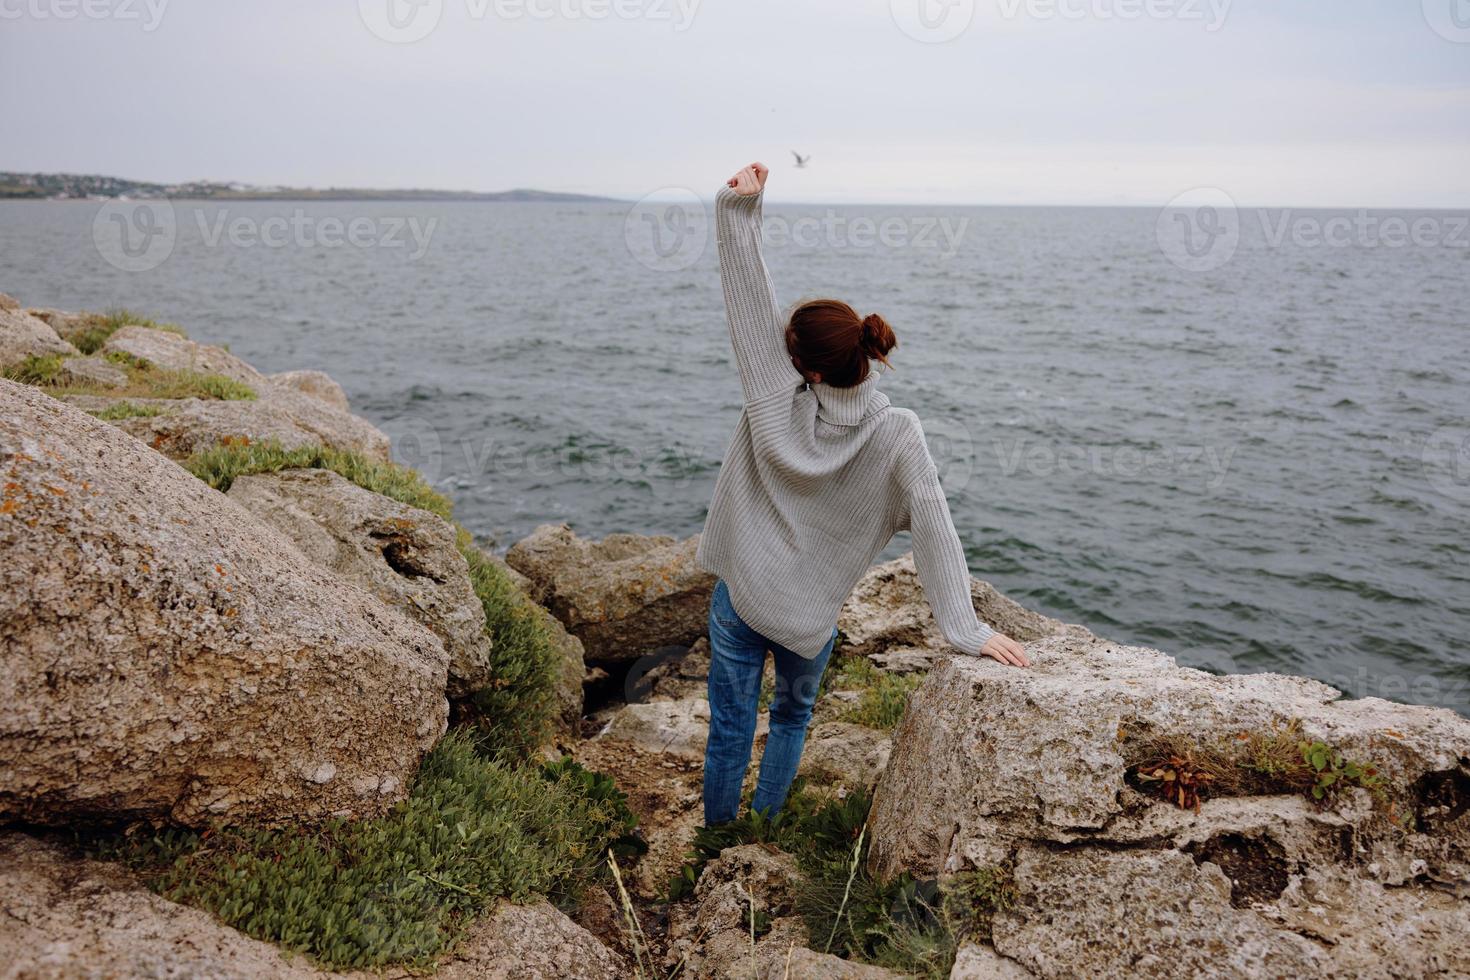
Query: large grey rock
{"points": [[622, 596], [976, 962], [317, 384], [23, 336], [846, 754], [403, 555], [64, 916], [994, 765], [168, 350], [189, 425], [68, 326], [528, 942], [676, 728], [164, 654], [286, 414], [887, 619], [92, 371], [1148, 913]]}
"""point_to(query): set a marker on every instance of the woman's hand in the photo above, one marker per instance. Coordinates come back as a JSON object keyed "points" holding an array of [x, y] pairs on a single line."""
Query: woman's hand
{"points": [[750, 180], [1006, 650]]}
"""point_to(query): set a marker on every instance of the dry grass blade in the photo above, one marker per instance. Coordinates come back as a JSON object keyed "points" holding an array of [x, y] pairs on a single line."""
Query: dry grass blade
{"points": [[857, 852]]}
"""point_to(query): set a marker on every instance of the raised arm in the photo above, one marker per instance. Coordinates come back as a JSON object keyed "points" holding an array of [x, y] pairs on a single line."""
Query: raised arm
{"points": [[750, 302], [940, 559]]}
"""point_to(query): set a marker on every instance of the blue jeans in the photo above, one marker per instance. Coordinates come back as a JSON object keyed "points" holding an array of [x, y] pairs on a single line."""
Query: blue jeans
{"points": [[737, 659]]}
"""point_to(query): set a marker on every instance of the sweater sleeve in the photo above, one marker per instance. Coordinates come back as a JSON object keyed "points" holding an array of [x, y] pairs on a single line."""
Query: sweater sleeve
{"points": [[750, 302], [940, 560]]}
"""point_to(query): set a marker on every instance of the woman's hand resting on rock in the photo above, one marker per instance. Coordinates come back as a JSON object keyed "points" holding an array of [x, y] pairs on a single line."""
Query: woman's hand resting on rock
{"points": [[1006, 650], [749, 180]]}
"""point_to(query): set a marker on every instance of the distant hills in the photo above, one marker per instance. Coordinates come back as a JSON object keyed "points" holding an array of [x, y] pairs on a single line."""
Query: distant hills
{"points": [[90, 186]]}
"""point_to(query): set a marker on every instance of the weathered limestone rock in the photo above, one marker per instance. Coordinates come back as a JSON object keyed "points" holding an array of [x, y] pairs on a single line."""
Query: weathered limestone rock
{"points": [[711, 935], [401, 554], [994, 765], [189, 425], [286, 414], [164, 654], [678, 728], [976, 962], [622, 596], [62, 915], [23, 336], [529, 942], [165, 349], [68, 326], [92, 371], [887, 618], [8, 303], [317, 384], [1146, 913], [847, 754]]}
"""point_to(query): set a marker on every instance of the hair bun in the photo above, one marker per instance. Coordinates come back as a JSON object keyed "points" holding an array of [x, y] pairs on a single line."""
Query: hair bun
{"points": [[878, 338]]}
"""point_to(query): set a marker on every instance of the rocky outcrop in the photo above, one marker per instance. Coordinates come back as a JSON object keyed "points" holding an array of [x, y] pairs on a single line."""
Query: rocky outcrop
{"points": [[888, 620], [164, 654], [711, 936], [672, 727], [401, 554], [317, 384], [845, 754], [68, 326], [529, 942], [23, 336], [995, 765], [62, 915], [173, 352], [622, 596], [288, 414], [8, 303], [97, 371]]}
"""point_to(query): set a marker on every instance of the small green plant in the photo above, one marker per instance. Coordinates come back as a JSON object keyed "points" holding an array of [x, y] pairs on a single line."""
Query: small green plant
{"points": [[403, 887], [1331, 771], [100, 326], [881, 705], [37, 369], [603, 790], [126, 410]]}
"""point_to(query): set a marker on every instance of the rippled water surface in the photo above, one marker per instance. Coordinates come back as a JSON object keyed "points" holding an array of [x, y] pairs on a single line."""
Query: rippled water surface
{"points": [[1262, 466]]}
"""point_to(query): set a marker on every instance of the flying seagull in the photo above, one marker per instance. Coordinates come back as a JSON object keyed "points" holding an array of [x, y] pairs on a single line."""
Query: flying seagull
{"points": [[801, 161]]}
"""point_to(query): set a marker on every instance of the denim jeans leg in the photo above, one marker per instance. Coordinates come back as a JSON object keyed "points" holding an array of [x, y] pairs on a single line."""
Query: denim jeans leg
{"points": [[797, 683], [737, 658]]}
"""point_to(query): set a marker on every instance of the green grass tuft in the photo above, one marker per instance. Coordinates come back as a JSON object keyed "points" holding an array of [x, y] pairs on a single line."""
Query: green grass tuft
{"points": [[222, 465], [403, 887], [126, 410], [517, 711], [37, 369], [101, 326], [883, 696]]}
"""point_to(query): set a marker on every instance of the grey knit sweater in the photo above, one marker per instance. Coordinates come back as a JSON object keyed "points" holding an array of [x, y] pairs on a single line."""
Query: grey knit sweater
{"points": [[817, 479]]}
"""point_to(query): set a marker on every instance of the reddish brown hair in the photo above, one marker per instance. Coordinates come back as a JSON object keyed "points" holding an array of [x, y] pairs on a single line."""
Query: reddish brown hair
{"points": [[826, 337]]}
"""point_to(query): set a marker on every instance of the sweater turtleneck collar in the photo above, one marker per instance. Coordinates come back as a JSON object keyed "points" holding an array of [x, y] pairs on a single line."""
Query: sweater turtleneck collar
{"points": [[849, 406]]}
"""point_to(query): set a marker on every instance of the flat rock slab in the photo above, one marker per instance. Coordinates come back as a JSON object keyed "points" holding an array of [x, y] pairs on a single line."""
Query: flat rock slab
{"points": [[23, 336]]}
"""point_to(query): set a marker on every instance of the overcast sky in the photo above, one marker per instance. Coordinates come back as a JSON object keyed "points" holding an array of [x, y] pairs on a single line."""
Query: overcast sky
{"points": [[1280, 102]]}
